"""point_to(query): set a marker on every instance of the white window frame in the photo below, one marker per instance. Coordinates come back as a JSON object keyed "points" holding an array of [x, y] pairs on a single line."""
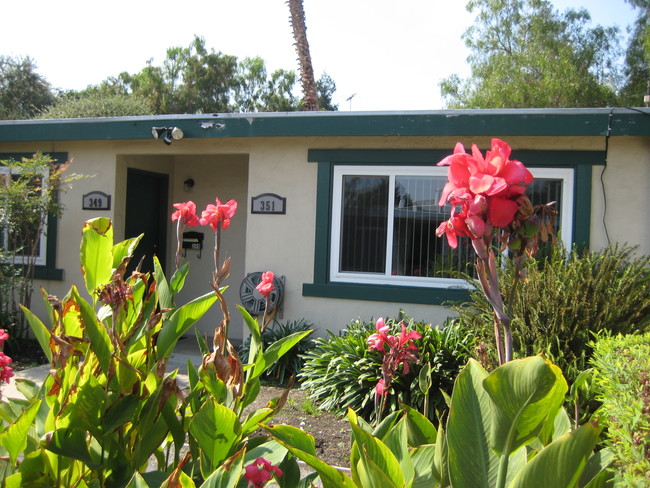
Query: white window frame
{"points": [[39, 260], [566, 175]]}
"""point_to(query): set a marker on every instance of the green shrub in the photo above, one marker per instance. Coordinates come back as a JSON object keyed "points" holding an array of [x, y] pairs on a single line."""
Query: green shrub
{"points": [[622, 378], [341, 371], [563, 302], [291, 363]]}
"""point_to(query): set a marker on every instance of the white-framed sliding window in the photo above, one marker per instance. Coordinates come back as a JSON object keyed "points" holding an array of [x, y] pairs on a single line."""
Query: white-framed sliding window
{"points": [[384, 220]]}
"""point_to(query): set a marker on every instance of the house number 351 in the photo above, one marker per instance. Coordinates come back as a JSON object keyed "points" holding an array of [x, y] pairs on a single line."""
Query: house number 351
{"points": [[268, 203]]}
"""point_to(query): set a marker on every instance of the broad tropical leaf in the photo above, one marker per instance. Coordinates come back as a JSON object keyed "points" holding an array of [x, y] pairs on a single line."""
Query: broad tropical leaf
{"points": [[523, 394], [96, 253], [180, 321], [561, 463], [472, 463]]}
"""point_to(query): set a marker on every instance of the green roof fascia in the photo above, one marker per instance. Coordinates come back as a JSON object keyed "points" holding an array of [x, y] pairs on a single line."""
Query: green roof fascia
{"points": [[530, 157], [515, 122]]}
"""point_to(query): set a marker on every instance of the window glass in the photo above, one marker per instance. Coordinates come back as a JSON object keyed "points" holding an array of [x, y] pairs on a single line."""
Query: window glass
{"points": [[364, 223]]}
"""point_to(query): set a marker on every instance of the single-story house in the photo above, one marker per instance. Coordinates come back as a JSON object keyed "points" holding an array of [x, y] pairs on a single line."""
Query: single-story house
{"points": [[341, 205]]}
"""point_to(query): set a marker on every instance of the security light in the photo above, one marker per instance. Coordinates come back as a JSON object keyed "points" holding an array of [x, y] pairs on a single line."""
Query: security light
{"points": [[167, 134]]}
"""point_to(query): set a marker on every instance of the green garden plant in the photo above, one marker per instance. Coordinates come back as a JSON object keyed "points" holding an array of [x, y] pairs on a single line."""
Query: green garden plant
{"points": [[291, 363], [109, 414], [567, 300], [622, 382], [506, 428], [341, 372]]}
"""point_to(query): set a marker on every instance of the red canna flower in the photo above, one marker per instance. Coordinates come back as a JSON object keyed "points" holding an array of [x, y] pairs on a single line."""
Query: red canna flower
{"points": [[259, 472], [380, 388], [377, 341], [482, 190], [5, 371], [395, 350], [186, 213], [219, 214], [265, 287]]}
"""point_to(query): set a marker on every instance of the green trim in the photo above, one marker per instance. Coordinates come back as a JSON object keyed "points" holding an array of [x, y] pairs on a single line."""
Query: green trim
{"points": [[385, 293], [455, 123], [323, 219], [545, 158], [49, 270], [580, 161], [45, 273], [582, 206]]}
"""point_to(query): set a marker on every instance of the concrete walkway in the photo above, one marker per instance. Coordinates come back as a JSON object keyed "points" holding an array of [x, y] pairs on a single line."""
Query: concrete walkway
{"points": [[185, 349]]}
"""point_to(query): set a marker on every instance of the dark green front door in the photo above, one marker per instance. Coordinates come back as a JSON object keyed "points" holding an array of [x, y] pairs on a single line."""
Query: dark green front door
{"points": [[146, 213]]}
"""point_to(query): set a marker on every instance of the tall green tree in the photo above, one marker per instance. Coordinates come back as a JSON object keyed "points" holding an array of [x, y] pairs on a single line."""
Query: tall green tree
{"points": [[23, 92], [526, 54], [637, 56], [190, 80], [198, 80], [325, 86], [257, 92]]}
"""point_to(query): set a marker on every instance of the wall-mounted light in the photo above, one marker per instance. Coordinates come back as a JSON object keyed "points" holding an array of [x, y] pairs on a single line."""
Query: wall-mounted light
{"points": [[188, 184], [167, 134]]}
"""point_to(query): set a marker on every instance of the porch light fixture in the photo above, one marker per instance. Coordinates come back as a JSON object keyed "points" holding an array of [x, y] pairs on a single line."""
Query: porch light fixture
{"points": [[167, 134], [188, 184]]}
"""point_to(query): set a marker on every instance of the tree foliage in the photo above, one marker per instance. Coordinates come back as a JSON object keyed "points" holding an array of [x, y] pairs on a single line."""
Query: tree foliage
{"points": [[637, 56], [198, 80], [96, 103], [28, 199], [23, 92], [526, 54]]}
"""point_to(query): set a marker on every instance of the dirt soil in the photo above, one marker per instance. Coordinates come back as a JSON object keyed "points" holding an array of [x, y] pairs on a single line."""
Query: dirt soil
{"points": [[331, 433]]}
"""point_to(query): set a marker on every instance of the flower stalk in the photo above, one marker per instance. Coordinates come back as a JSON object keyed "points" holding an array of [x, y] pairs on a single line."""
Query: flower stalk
{"points": [[489, 205]]}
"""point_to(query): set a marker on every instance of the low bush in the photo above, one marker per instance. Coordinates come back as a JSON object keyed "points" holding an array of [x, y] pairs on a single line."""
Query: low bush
{"points": [[341, 372], [291, 363], [622, 380], [564, 301]]}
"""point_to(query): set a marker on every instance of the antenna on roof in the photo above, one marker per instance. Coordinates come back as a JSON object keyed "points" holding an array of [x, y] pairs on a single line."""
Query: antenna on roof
{"points": [[349, 99]]}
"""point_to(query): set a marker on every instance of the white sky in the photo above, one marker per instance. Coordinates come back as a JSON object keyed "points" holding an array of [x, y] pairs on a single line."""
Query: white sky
{"points": [[390, 54]]}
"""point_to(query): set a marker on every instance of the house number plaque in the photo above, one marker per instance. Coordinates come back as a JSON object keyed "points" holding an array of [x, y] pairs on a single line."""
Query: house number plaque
{"points": [[268, 203], [96, 200]]}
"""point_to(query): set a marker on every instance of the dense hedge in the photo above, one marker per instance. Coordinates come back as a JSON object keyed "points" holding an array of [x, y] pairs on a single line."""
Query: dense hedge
{"points": [[622, 378]]}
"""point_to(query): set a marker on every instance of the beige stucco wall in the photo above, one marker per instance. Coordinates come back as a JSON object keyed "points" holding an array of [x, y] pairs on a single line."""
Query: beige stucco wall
{"points": [[245, 167], [621, 196]]}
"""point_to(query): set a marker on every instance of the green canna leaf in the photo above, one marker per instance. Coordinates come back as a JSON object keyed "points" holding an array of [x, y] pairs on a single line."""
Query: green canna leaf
{"points": [[41, 332], [180, 322], [523, 394], [376, 461], [124, 249], [561, 462], [472, 463], [302, 445], [100, 343], [96, 254], [217, 430], [14, 438]]}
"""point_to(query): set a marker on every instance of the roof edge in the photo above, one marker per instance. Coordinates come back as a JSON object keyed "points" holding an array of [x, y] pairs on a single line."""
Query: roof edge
{"points": [[488, 122]]}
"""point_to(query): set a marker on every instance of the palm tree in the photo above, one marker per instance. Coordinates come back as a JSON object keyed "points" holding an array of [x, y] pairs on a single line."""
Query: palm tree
{"points": [[310, 100]]}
